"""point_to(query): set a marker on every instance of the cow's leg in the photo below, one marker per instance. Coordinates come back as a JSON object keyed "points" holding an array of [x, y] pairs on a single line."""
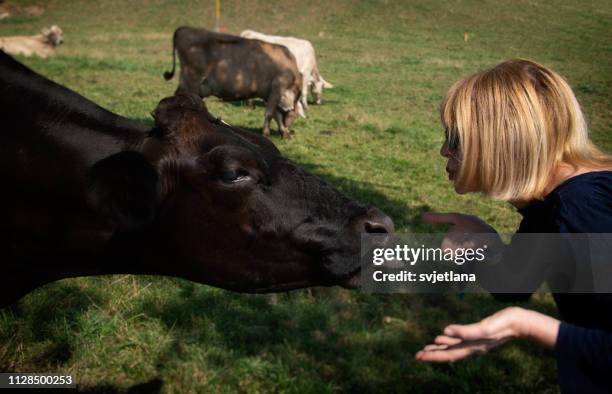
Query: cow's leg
{"points": [[317, 89], [205, 89], [271, 109], [300, 109], [304, 98], [282, 129], [189, 82], [267, 117], [289, 118]]}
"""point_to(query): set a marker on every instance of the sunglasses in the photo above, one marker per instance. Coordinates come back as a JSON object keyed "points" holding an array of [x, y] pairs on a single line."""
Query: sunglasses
{"points": [[452, 143]]}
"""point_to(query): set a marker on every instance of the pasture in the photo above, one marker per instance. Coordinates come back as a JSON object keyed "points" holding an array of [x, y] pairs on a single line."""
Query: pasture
{"points": [[376, 137]]}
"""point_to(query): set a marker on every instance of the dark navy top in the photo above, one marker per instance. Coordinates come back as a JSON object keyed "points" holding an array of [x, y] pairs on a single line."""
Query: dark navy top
{"points": [[582, 204]]}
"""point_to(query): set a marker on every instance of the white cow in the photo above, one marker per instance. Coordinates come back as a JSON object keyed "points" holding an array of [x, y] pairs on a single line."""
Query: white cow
{"points": [[41, 45], [304, 54]]}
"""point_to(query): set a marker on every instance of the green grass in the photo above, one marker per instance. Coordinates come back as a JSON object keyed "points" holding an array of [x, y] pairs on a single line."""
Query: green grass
{"points": [[376, 137]]}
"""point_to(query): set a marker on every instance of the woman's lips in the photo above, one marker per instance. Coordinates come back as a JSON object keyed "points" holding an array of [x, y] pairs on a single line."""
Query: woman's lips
{"points": [[451, 173]]}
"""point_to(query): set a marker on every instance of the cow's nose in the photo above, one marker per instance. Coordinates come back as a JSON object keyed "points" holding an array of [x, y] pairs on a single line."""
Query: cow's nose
{"points": [[376, 222]]}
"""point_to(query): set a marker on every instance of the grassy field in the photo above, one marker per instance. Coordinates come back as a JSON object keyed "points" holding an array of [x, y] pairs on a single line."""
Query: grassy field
{"points": [[376, 137]]}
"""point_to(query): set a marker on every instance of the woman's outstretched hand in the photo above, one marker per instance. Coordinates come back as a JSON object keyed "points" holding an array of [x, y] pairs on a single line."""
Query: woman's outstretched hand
{"points": [[460, 341], [461, 226], [459, 222]]}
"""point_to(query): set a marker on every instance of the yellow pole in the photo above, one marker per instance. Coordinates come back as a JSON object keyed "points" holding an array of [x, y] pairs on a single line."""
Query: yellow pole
{"points": [[218, 13]]}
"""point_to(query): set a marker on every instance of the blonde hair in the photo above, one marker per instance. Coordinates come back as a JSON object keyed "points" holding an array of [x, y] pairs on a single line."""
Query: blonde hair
{"points": [[514, 125]]}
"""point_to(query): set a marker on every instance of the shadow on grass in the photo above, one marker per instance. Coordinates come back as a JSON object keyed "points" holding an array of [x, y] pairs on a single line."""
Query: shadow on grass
{"points": [[342, 342], [153, 386], [44, 317]]}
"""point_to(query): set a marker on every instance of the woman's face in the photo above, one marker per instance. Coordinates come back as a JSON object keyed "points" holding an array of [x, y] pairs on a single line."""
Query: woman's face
{"points": [[451, 153]]}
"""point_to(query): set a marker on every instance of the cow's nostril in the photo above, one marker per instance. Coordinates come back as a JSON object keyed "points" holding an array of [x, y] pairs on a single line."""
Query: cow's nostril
{"points": [[376, 222], [375, 228]]}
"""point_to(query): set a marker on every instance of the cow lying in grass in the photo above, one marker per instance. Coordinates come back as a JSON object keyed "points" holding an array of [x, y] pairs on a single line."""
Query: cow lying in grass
{"points": [[41, 45]]}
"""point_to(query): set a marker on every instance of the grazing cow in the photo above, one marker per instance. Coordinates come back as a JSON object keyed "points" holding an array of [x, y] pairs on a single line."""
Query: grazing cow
{"points": [[234, 68], [88, 192], [304, 54], [41, 45]]}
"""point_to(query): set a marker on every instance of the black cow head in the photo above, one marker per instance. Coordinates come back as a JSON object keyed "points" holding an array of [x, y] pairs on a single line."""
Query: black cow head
{"points": [[228, 209]]}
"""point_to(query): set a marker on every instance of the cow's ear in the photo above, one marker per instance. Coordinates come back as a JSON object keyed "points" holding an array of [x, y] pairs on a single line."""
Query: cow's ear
{"points": [[124, 189]]}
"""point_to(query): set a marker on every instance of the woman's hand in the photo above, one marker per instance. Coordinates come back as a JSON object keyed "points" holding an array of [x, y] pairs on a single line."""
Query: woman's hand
{"points": [[459, 222], [461, 226], [461, 341]]}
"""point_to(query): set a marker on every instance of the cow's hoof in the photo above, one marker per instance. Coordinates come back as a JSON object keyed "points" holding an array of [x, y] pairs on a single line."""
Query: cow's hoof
{"points": [[286, 136]]}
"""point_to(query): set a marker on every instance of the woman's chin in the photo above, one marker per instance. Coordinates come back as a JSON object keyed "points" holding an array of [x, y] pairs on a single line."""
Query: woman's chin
{"points": [[452, 175], [458, 189]]}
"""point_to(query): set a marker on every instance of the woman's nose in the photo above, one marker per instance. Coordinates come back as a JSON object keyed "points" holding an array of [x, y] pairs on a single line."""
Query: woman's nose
{"points": [[445, 150]]}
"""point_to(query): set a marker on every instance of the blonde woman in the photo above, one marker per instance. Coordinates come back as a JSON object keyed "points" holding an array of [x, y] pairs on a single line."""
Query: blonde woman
{"points": [[516, 133]]}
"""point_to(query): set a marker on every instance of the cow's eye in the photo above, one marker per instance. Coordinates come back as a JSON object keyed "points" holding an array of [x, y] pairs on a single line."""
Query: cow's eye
{"points": [[235, 176]]}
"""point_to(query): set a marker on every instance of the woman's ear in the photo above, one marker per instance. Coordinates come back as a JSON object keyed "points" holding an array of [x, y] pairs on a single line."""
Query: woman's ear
{"points": [[124, 189]]}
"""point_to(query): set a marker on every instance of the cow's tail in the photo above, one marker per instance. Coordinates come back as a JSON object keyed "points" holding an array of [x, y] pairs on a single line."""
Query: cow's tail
{"points": [[326, 84], [169, 74], [318, 77]]}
